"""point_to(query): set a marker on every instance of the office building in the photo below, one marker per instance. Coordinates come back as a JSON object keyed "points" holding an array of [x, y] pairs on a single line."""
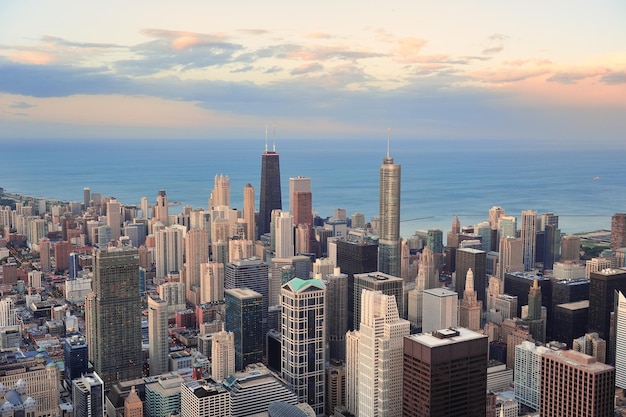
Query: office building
{"points": [[220, 196], [570, 248], [528, 234], [86, 197], [434, 240], [445, 374], [88, 396], [114, 218], [620, 339], [336, 314], [476, 260], [270, 197], [380, 339], [534, 320], [137, 232], [248, 212], [113, 315], [618, 231], [44, 255], [440, 309], [376, 281], [204, 398], [162, 395], [389, 214], [158, 335], [301, 208], [168, 253], [518, 284], [528, 374], [591, 344], [196, 254], [249, 273], [243, 309], [283, 234], [222, 355], [568, 270], [511, 256], [428, 269], [574, 384], [596, 265], [211, 282], [303, 351], [602, 287], [470, 308], [335, 385], [75, 356], [569, 321], [161, 210], [507, 227], [61, 256]]}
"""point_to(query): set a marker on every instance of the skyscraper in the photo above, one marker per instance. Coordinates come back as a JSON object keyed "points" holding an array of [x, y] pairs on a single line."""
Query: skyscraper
{"points": [[337, 313], [211, 282], [570, 248], [470, 309], [249, 273], [511, 256], [284, 234], [528, 373], [270, 197], [86, 197], [44, 254], [380, 338], [88, 396], [114, 315], [529, 238], [620, 340], [602, 287], [248, 212], [243, 310], [223, 355], [158, 335], [377, 281], [618, 231], [162, 209], [220, 196], [75, 357], [441, 308], [389, 213], [114, 218], [445, 374], [168, 253], [476, 260], [196, 254], [303, 340]]}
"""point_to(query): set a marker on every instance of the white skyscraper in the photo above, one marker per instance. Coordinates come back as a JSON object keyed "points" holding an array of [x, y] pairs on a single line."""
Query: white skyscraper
{"points": [[303, 349], [223, 355], [380, 339], [528, 374], [162, 209], [529, 238], [440, 309], [620, 341], [7, 313], [145, 208], [114, 218], [220, 196], [158, 335], [211, 282], [284, 234], [168, 252]]}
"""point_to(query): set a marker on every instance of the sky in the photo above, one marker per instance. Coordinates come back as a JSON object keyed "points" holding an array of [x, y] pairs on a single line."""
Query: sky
{"points": [[546, 72]]}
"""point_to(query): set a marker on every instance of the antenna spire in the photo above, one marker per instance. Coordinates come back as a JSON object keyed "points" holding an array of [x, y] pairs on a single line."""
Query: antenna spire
{"points": [[274, 139], [388, 137], [265, 137]]}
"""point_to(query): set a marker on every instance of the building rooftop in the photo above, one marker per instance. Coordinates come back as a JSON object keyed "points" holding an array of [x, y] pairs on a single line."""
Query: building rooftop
{"points": [[576, 305], [299, 284], [579, 360], [441, 292], [446, 337]]}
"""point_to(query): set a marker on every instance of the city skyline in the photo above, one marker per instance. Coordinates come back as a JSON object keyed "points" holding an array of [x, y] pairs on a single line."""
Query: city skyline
{"points": [[497, 71]]}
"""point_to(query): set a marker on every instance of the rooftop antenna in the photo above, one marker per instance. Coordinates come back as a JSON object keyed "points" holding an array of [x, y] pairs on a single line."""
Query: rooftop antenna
{"points": [[274, 139], [388, 137], [265, 137]]}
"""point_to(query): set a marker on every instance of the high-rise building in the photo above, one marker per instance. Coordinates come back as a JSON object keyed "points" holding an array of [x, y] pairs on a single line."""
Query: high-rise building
{"points": [[250, 273], [88, 396], [389, 213], [376, 281], [439, 309], [380, 338], [196, 254], [470, 308], [248, 212], [528, 233], [243, 310], [86, 197], [211, 282], [114, 218], [476, 260], [335, 385], [518, 284], [270, 197], [133, 406], [570, 248], [61, 255], [7, 313], [620, 340], [602, 287], [146, 211], [220, 196], [434, 240], [445, 374], [222, 355], [168, 253], [618, 231], [161, 211], [76, 358], [162, 395], [591, 344], [528, 374], [44, 255], [113, 315], [495, 213], [574, 384], [303, 351], [536, 324], [158, 335], [507, 227], [204, 398], [336, 314], [283, 227], [301, 200], [511, 256]]}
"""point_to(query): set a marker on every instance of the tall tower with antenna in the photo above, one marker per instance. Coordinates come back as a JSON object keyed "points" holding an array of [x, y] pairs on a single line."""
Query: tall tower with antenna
{"points": [[270, 195], [389, 214]]}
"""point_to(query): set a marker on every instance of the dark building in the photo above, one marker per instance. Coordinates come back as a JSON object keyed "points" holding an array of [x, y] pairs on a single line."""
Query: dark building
{"points": [[602, 287], [618, 231], [570, 321], [445, 374], [376, 281], [476, 260], [270, 196], [243, 309], [497, 351], [75, 357], [519, 283], [355, 257], [274, 345]]}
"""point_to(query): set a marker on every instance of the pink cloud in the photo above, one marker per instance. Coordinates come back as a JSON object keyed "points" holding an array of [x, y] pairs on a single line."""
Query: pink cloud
{"points": [[32, 57]]}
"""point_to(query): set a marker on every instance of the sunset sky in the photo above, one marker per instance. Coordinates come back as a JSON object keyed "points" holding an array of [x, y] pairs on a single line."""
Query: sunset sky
{"points": [[539, 71]]}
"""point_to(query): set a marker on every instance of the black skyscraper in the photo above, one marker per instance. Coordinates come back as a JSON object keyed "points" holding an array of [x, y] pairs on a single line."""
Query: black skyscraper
{"points": [[270, 198]]}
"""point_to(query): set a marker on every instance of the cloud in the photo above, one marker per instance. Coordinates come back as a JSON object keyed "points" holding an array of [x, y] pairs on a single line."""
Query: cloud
{"points": [[273, 70], [498, 37], [31, 57], [614, 78], [504, 76], [182, 39], [21, 105], [406, 49], [65, 43], [307, 68], [319, 35], [246, 68], [493, 50], [572, 77], [255, 32], [323, 53], [522, 62]]}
